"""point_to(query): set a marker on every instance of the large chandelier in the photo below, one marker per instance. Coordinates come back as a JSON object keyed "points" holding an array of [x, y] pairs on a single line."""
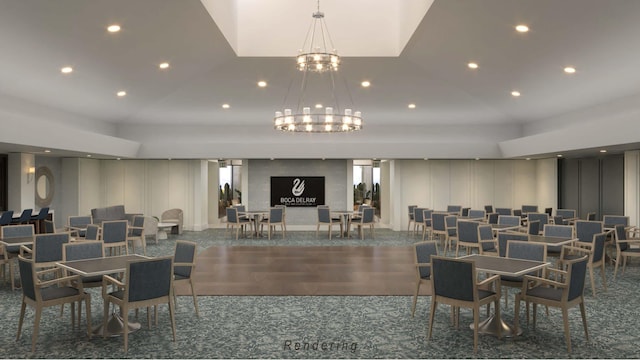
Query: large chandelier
{"points": [[316, 59]]}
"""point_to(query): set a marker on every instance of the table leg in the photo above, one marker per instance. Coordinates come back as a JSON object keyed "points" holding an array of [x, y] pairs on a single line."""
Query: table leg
{"points": [[115, 326], [491, 324]]}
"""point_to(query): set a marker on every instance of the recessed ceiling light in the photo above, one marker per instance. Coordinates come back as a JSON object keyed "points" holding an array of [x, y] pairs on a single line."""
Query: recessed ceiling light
{"points": [[66, 70], [164, 65], [47, 151], [226, 106], [113, 28], [88, 155], [559, 155], [570, 70], [411, 106], [426, 158], [528, 159], [477, 158], [603, 151], [365, 83], [118, 159], [472, 65], [262, 83], [318, 106], [522, 28], [121, 93], [515, 93]]}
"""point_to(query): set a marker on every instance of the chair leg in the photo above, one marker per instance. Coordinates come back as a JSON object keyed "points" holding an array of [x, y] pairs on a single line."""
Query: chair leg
{"points": [[173, 319], [615, 269], [36, 328], [584, 320], [476, 322], [195, 297], [432, 314], [125, 327], [604, 280], [87, 303], [516, 312], [593, 281], [415, 298], [22, 309], [565, 320]]}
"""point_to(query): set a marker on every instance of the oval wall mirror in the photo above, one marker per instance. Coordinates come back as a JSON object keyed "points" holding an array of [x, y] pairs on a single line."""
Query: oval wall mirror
{"points": [[44, 186]]}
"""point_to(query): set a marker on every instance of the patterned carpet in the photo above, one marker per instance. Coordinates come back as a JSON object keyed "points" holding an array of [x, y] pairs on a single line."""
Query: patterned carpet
{"points": [[328, 326]]}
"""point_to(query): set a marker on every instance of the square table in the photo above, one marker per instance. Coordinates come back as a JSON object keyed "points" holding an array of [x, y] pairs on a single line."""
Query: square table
{"points": [[552, 240], [104, 266], [502, 266]]}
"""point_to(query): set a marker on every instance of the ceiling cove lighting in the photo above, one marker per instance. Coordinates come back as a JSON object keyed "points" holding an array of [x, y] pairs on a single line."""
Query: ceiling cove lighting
{"points": [[316, 61]]}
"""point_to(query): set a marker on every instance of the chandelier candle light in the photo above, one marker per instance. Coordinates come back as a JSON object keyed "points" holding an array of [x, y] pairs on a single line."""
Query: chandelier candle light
{"points": [[318, 61]]}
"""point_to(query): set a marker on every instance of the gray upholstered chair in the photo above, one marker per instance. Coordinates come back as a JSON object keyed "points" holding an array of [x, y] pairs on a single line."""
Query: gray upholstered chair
{"points": [[24, 217], [426, 221], [411, 219], [504, 211], [451, 235], [148, 282], [559, 220], [454, 283], [509, 220], [488, 244], [184, 264], [10, 253], [526, 251], [457, 209], [324, 218], [81, 250], [235, 221], [610, 221], [562, 231], [93, 232], [49, 227], [367, 220], [46, 250], [624, 247], [566, 214], [276, 217], [77, 225], [529, 209], [464, 211], [284, 218], [493, 218], [40, 294], [477, 214], [505, 236], [586, 229], [439, 227], [542, 217], [565, 290], [488, 209], [114, 236], [595, 250], [173, 216], [135, 234], [533, 227], [591, 216], [423, 252], [418, 220], [467, 235]]}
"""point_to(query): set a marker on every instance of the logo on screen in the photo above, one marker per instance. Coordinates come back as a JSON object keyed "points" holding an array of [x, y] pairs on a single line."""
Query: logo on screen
{"points": [[298, 187]]}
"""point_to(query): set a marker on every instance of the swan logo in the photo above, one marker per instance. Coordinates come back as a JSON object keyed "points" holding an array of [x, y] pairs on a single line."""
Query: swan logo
{"points": [[298, 187]]}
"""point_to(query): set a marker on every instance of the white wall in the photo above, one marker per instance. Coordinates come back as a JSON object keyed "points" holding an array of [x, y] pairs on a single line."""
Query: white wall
{"points": [[632, 186], [470, 183], [21, 186]]}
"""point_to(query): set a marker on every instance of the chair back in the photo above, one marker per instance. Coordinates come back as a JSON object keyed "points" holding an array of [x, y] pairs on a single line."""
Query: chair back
{"points": [[368, 215], [529, 209], [92, 233], [454, 209], [6, 217], [42, 214], [411, 209], [562, 231], [275, 215], [49, 227], [559, 220], [576, 273], [114, 231], [232, 215], [418, 215], [426, 216], [138, 224], [486, 233], [14, 231], [493, 218], [526, 250], [488, 209], [240, 208], [621, 234], [324, 215], [509, 220], [185, 252], [80, 222], [517, 212], [451, 223], [25, 216], [598, 247], [438, 222], [533, 227], [613, 220], [424, 251], [542, 217], [505, 236], [591, 216], [149, 279], [47, 248], [480, 214], [504, 211], [28, 278], [586, 229], [453, 278], [548, 211], [467, 231], [566, 213], [465, 211], [82, 250]]}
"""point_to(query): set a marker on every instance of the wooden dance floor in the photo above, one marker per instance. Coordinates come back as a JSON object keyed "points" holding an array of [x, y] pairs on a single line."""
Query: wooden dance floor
{"points": [[305, 270]]}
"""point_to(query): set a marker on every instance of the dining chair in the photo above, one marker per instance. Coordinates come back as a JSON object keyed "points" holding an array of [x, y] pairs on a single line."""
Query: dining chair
{"points": [[479, 214], [93, 232], [423, 252], [418, 220], [488, 209], [563, 231], [493, 218], [508, 220], [82, 250], [562, 289], [488, 244], [49, 227], [467, 236], [135, 292], [10, 253], [236, 221], [523, 250], [78, 224], [451, 233], [504, 211], [135, 234], [184, 264], [411, 219], [46, 250], [595, 251], [439, 227], [427, 224], [276, 217], [529, 209], [37, 219], [457, 209], [367, 220], [505, 236], [542, 217], [533, 227], [24, 218], [284, 218], [40, 294], [114, 237], [324, 218], [626, 247], [454, 282]]}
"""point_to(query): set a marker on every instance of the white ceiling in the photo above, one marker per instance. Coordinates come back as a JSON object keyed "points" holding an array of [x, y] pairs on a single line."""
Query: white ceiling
{"points": [[460, 113]]}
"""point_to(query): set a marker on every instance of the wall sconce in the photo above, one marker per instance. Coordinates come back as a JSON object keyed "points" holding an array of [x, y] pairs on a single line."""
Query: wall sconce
{"points": [[31, 173]]}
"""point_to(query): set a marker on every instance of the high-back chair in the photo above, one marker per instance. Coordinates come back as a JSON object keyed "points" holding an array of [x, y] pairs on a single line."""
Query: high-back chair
{"points": [[504, 211], [595, 250], [10, 253], [465, 211], [488, 209], [93, 232], [562, 231], [591, 216], [505, 236], [284, 218], [82, 250], [40, 294], [276, 217], [493, 218], [438, 226], [508, 220], [548, 211], [78, 225], [533, 227], [423, 252], [610, 221], [457, 209], [566, 214], [184, 263], [427, 225], [467, 236], [235, 221], [47, 249], [624, 247], [24, 218], [367, 220], [324, 218], [465, 293], [135, 234], [488, 243], [49, 227], [477, 214], [523, 250], [451, 224], [586, 229], [565, 292], [542, 217], [6, 217], [137, 293], [418, 219], [411, 213], [529, 209], [559, 220], [114, 237]]}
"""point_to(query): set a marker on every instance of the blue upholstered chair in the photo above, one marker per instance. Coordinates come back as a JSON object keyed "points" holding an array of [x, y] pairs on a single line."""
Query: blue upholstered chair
{"points": [[493, 218], [81, 250], [623, 247], [439, 227], [184, 263], [529, 209], [465, 211], [480, 214], [93, 232], [586, 229], [423, 252], [559, 220], [46, 250], [37, 219], [566, 214], [488, 244], [505, 236], [526, 251], [564, 291], [454, 283], [10, 253], [135, 234], [147, 283], [324, 218], [562, 231], [78, 225], [236, 221], [276, 217], [504, 211], [457, 209], [49, 227], [610, 221], [24, 218], [533, 227], [6, 217], [595, 251], [467, 236], [40, 294], [542, 217], [488, 209], [451, 225], [509, 220], [114, 236], [427, 225], [418, 219], [411, 219], [367, 220]]}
